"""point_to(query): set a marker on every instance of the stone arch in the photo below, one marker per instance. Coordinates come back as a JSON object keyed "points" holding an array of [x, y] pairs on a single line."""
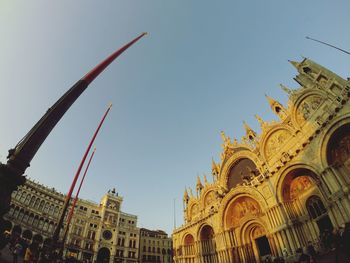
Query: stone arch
{"points": [[51, 227], [27, 200], [206, 237], [291, 172], [188, 245], [32, 201], [236, 193], [335, 143], [253, 236], [23, 197], [305, 105], [31, 218], [36, 221], [208, 197], [275, 139], [21, 214], [41, 205], [236, 159], [318, 213], [103, 255], [25, 217], [193, 210], [241, 208], [188, 239], [326, 135]]}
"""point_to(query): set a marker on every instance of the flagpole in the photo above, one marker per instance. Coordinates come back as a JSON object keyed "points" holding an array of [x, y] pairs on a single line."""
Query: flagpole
{"points": [[70, 215], [57, 231], [19, 158], [324, 43]]}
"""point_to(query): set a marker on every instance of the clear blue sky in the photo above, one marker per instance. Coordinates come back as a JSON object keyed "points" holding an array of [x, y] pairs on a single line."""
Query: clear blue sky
{"points": [[205, 67]]}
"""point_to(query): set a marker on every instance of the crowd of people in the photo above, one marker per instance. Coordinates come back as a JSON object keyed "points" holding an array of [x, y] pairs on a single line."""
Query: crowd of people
{"points": [[30, 251], [335, 242]]}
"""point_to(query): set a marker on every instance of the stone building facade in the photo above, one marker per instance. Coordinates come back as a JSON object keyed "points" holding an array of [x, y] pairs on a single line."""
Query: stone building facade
{"points": [[98, 233], [274, 191], [155, 246]]}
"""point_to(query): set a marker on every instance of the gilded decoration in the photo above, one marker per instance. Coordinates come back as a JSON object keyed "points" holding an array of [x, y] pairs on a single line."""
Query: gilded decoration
{"points": [[258, 232], [262, 194], [341, 152], [307, 107], [299, 185], [276, 140], [194, 211], [241, 208], [209, 198]]}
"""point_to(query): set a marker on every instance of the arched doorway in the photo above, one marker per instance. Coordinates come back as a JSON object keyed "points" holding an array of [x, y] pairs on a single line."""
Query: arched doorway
{"points": [[207, 244], [103, 255], [242, 217], [262, 244], [189, 250], [318, 213], [298, 188], [257, 246]]}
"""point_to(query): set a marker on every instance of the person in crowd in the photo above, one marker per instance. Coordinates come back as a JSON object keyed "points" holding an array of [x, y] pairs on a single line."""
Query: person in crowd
{"points": [[28, 254], [311, 252], [302, 257], [17, 250]]}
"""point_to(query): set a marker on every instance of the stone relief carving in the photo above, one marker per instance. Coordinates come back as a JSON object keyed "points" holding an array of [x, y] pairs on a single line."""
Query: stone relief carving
{"points": [[299, 185], [341, 152], [240, 208], [258, 232], [209, 198], [307, 107], [276, 141], [194, 211]]}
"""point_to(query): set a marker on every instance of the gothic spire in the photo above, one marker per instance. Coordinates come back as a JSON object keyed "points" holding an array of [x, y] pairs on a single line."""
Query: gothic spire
{"points": [[277, 107], [250, 134]]}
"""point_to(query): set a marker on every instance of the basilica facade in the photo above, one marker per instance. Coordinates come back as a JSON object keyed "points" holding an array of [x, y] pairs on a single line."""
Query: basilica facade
{"points": [[275, 191]]}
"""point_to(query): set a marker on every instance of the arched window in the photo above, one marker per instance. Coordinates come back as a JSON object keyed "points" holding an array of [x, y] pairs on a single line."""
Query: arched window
{"points": [[315, 207], [27, 199], [36, 221], [56, 210], [26, 217], [20, 215], [51, 209], [36, 204], [23, 197], [41, 223], [32, 200], [41, 206], [46, 208]]}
